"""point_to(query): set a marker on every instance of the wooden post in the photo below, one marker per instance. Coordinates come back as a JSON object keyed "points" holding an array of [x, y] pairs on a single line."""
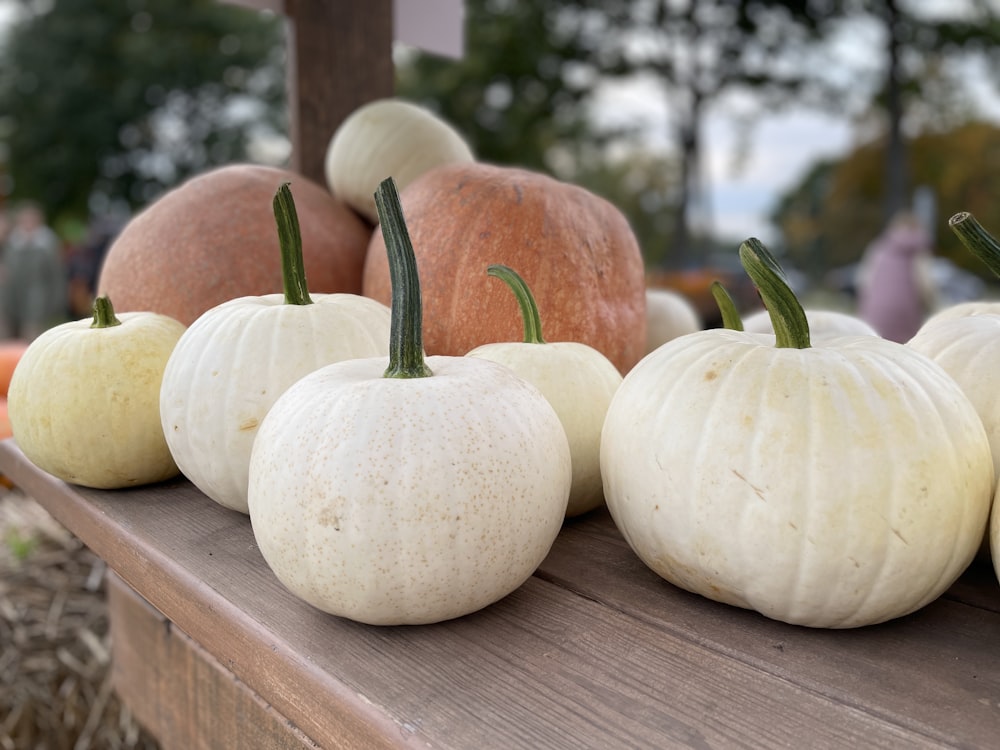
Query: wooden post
{"points": [[339, 57]]}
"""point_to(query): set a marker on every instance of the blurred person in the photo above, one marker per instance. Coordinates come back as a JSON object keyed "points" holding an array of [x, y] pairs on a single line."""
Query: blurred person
{"points": [[895, 291], [33, 280], [83, 265]]}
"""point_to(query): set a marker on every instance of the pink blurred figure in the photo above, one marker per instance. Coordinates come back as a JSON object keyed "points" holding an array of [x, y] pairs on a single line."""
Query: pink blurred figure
{"points": [[895, 289]]}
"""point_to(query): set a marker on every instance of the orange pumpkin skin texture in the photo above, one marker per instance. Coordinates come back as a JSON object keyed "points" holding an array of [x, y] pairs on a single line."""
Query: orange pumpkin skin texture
{"points": [[574, 249], [212, 239], [10, 354], [5, 430]]}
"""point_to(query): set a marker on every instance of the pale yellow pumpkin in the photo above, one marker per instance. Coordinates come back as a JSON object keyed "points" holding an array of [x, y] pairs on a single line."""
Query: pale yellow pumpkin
{"points": [[84, 399]]}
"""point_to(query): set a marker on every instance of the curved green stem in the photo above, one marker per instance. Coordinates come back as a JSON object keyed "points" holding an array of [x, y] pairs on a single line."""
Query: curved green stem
{"points": [[406, 353], [293, 269], [525, 299], [730, 315], [104, 313], [977, 240], [791, 328]]}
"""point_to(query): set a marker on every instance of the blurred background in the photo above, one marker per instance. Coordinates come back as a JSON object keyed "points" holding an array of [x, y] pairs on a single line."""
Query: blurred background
{"points": [[807, 124]]}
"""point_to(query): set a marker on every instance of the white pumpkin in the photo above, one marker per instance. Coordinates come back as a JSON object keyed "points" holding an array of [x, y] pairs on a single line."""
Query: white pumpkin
{"points": [[965, 310], [964, 339], [821, 323], [669, 314], [835, 485], [412, 493], [968, 349], [388, 137], [84, 399], [575, 378], [235, 359]]}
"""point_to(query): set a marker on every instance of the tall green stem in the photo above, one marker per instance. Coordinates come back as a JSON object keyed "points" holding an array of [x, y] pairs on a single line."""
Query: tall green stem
{"points": [[293, 268], [406, 352], [791, 328], [525, 299], [730, 315], [104, 313], [977, 240]]}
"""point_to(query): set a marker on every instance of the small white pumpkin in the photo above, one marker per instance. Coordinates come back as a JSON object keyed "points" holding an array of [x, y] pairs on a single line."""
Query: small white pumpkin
{"points": [[576, 379], [669, 314], [821, 323], [835, 485], [409, 493], [84, 399], [236, 358], [965, 340], [388, 137]]}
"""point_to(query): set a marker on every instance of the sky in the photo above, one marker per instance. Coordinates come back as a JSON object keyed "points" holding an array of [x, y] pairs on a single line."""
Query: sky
{"points": [[782, 149]]}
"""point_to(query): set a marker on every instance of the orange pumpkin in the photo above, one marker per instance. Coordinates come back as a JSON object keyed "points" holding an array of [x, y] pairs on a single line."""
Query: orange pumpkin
{"points": [[5, 431], [10, 354], [574, 249], [212, 239]]}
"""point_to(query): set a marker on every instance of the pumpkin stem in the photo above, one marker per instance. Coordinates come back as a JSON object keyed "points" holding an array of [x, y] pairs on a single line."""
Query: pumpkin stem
{"points": [[526, 300], [730, 316], [293, 269], [791, 328], [977, 240], [406, 352], [104, 313]]}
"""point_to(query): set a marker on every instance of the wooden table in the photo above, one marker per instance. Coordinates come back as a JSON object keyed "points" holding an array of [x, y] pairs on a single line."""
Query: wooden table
{"points": [[594, 651]]}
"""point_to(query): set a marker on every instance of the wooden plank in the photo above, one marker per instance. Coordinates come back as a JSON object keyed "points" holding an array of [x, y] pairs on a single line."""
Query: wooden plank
{"points": [[936, 671], [545, 667], [179, 692], [339, 57]]}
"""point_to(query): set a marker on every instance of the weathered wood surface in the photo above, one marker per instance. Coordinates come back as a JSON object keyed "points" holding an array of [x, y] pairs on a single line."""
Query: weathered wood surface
{"points": [[179, 692], [594, 651]]}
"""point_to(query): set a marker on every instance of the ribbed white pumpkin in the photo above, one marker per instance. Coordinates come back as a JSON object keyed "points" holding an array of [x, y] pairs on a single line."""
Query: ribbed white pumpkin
{"points": [[388, 137], [821, 323], [402, 494], [838, 485], [669, 314], [235, 359], [968, 348], [576, 379], [964, 339], [84, 398], [964, 310]]}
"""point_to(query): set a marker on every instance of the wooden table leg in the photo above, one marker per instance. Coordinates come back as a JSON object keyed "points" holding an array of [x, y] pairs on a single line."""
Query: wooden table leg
{"points": [[179, 692]]}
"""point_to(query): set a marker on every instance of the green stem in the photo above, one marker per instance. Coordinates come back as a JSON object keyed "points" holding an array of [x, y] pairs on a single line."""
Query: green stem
{"points": [[977, 240], [791, 328], [293, 269], [525, 299], [406, 352], [104, 313], [730, 315]]}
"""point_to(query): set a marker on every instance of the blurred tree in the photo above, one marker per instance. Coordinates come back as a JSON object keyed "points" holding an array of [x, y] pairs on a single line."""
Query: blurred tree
{"points": [[519, 94], [834, 212], [112, 101], [699, 51], [913, 85], [528, 89], [522, 96]]}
